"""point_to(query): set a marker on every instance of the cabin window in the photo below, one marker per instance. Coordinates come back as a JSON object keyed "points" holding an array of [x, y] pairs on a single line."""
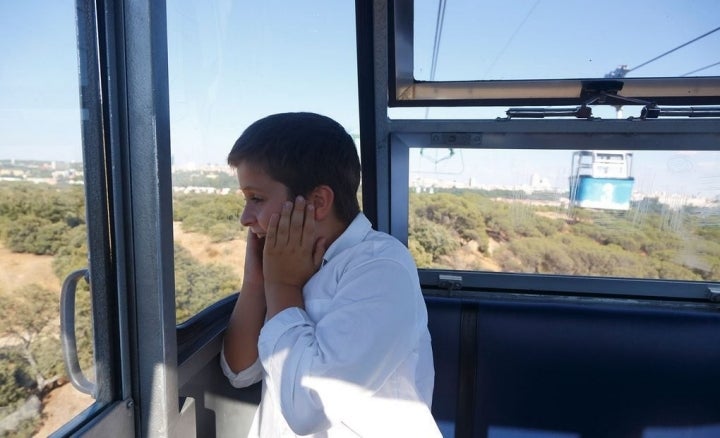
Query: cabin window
{"points": [[231, 63], [43, 222], [530, 39], [553, 53], [490, 201], [539, 151], [561, 212]]}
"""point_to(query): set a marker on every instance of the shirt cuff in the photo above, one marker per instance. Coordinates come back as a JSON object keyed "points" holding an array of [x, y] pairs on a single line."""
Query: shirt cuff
{"points": [[244, 378]]}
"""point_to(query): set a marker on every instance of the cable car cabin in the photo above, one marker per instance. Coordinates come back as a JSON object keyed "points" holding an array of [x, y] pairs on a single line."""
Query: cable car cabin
{"points": [[601, 179], [546, 320]]}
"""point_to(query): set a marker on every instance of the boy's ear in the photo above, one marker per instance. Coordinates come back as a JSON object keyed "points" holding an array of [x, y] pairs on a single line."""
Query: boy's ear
{"points": [[322, 197]]}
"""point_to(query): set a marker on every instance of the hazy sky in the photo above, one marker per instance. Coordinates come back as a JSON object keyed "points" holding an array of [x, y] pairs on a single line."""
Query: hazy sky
{"points": [[232, 62]]}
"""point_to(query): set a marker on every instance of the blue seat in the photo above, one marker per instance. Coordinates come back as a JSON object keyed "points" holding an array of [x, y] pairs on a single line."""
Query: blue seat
{"points": [[562, 368]]}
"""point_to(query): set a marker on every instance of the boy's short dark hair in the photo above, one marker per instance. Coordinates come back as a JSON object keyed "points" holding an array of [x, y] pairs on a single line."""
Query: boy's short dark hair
{"points": [[303, 151]]}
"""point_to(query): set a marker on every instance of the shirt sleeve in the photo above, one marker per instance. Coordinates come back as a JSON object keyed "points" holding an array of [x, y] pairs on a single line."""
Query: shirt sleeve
{"points": [[244, 378], [321, 371]]}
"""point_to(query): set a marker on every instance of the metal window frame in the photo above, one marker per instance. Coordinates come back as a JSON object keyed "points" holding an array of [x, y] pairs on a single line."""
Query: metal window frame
{"points": [[144, 152]]}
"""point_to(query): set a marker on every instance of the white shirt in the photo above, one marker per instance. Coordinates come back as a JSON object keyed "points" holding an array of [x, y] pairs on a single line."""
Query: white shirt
{"points": [[358, 360]]}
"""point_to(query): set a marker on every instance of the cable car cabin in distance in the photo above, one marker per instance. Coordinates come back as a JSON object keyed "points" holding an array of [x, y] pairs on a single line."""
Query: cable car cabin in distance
{"points": [[601, 179], [563, 301]]}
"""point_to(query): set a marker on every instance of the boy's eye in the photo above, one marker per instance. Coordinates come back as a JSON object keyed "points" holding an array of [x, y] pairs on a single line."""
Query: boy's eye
{"points": [[254, 199]]}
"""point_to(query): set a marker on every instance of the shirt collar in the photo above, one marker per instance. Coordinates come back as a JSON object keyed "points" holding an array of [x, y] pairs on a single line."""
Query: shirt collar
{"points": [[353, 234]]}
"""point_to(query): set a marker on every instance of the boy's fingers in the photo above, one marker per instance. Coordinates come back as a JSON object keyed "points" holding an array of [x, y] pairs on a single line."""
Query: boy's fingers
{"points": [[296, 222], [283, 226], [271, 235], [308, 230]]}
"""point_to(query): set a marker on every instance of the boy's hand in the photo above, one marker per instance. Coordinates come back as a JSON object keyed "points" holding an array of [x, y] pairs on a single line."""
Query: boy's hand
{"points": [[292, 254], [253, 273]]}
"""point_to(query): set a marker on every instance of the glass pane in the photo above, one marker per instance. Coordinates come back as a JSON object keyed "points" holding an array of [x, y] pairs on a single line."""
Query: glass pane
{"points": [[231, 63], [530, 39], [629, 214], [42, 214]]}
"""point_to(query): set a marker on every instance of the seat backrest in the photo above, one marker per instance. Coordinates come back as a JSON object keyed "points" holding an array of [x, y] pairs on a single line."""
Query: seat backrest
{"points": [[552, 367]]}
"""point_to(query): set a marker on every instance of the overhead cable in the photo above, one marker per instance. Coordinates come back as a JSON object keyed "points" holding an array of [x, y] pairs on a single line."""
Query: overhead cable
{"points": [[701, 69], [510, 40], [672, 50], [439, 20]]}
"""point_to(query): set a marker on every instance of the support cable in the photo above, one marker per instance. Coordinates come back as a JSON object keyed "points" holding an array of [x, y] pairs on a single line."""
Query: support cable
{"points": [[622, 71], [700, 69]]}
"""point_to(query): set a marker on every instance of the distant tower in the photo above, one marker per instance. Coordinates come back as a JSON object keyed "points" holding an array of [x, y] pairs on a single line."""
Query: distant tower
{"points": [[619, 72]]}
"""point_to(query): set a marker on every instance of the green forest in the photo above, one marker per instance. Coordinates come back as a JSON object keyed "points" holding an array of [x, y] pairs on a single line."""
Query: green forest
{"points": [[49, 220], [459, 229], [649, 241]]}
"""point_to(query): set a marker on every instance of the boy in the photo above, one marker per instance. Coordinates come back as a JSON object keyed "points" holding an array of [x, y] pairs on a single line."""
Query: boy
{"points": [[330, 314]]}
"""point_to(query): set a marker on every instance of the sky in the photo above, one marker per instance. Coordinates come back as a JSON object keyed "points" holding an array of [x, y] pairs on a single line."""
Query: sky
{"points": [[39, 104], [232, 62], [567, 38]]}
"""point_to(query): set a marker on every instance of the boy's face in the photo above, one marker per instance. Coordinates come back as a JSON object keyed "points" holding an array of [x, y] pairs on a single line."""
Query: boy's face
{"points": [[263, 197]]}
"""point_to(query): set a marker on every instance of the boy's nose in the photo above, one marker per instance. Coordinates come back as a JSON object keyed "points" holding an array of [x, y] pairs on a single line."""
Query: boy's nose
{"points": [[245, 218]]}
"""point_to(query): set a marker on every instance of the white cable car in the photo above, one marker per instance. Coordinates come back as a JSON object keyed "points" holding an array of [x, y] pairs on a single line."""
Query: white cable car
{"points": [[601, 179]]}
